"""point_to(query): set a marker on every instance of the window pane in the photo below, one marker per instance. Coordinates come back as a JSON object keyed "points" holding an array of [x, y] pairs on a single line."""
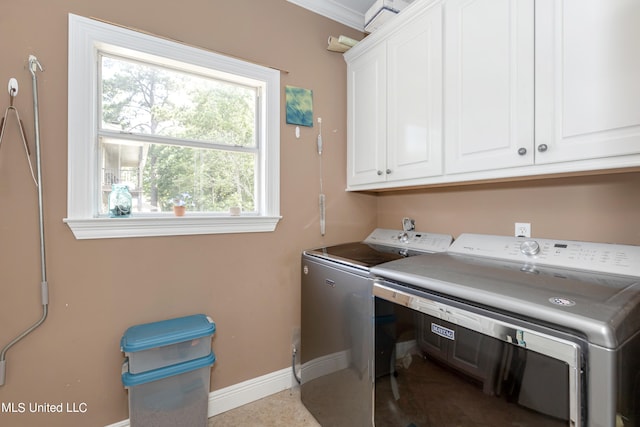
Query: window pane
{"points": [[208, 180], [148, 99]]}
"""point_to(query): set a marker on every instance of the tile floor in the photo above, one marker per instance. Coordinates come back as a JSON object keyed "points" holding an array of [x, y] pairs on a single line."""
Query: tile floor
{"points": [[278, 410]]}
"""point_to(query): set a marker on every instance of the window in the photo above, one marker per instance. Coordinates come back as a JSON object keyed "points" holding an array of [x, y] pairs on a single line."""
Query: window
{"points": [[171, 122]]}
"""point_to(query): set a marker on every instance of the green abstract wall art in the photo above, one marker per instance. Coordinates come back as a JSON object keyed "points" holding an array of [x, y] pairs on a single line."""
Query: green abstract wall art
{"points": [[299, 106]]}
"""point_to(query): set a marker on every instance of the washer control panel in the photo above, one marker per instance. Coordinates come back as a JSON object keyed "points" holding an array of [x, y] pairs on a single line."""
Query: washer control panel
{"points": [[410, 240], [597, 257], [530, 247]]}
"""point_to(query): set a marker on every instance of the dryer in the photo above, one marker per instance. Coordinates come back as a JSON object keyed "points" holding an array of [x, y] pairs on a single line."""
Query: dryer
{"points": [[516, 331]]}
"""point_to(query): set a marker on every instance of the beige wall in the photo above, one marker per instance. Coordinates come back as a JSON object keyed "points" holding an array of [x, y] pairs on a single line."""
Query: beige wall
{"points": [[248, 283], [599, 208]]}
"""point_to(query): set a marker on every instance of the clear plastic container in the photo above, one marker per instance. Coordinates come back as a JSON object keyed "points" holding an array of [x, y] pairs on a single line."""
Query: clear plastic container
{"points": [[168, 342], [176, 395]]}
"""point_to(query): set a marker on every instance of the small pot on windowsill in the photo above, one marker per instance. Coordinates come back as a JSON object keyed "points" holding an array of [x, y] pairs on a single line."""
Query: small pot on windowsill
{"points": [[179, 210], [235, 211]]}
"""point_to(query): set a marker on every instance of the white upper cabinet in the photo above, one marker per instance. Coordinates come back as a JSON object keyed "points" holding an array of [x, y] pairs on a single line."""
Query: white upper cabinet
{"points": [[414, 98], [587, 79], [395, 104], [367, 117], [467, 90], [489, 88]]}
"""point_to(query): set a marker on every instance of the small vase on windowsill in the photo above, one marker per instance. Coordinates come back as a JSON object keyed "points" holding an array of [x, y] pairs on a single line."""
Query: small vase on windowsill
{"points": [[180, 204], [179, 210], [120, 201]]}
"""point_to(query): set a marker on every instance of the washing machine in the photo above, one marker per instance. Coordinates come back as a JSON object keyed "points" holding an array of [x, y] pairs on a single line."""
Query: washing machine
{"points": [[341, 352]]}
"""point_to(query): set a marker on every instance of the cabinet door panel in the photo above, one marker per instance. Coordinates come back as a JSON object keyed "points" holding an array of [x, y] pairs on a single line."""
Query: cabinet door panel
{"points": [[366, 111], [414, 98], [587, 79], [488, 84]]}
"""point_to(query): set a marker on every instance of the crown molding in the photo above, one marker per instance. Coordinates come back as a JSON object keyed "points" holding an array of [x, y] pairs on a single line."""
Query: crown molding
{"points": [[333, 10]]}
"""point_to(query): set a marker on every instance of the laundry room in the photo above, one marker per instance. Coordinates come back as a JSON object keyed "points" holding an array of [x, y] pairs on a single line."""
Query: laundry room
{"points": [[138, 206]]}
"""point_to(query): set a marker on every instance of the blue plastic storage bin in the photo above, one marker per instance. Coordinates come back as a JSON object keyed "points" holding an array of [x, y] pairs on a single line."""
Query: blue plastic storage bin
{"points": [[176, 395], [168, 342]]}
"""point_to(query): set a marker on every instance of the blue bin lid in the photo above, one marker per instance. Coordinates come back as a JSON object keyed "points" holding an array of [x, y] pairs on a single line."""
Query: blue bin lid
{"points": [[130, 380], [166, 332]]}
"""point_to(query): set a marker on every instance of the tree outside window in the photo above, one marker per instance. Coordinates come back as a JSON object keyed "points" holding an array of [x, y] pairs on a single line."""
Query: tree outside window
{"points": [[166, 132]]}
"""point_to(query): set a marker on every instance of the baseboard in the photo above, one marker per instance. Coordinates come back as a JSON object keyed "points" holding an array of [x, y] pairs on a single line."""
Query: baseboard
{"points": [[242, 393], [249, 391]]}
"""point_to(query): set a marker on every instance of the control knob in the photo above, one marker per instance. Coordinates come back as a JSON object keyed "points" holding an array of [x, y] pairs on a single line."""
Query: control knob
{"points": [[529, 247]]}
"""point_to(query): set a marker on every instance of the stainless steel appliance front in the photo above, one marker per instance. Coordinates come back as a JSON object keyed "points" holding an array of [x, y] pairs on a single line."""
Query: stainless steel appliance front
{"points": [[336, 344], [480, 364], [337, 334], [506, 331]]}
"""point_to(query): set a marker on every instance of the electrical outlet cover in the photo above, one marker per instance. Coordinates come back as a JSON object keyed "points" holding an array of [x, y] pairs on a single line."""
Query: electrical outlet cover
{"points": [[523, 229]]}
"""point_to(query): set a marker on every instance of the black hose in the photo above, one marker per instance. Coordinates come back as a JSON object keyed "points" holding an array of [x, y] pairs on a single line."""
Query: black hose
{"points": [[293, 366]]}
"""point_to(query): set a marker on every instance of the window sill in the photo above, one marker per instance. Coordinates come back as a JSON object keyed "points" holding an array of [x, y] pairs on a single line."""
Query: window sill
{"points": [[112, 228]]}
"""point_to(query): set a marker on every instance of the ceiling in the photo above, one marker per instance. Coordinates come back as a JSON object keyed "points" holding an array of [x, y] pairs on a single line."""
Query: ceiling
{"points": [[347, 12]]}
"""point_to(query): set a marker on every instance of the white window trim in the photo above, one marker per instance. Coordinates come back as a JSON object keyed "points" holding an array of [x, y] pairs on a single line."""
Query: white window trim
{"points": [[86, 36]]}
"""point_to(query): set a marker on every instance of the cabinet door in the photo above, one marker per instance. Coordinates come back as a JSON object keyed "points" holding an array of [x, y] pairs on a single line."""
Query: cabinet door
{"points": [[366, 115], [414, 98], [488, 84], [587, 79]]}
